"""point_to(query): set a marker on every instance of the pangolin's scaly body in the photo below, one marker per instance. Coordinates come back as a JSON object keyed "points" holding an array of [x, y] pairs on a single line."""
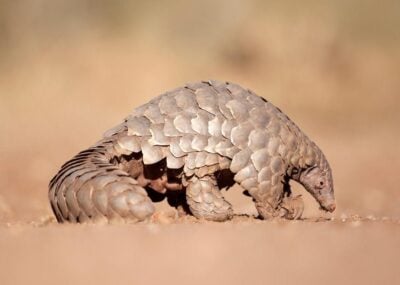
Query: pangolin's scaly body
{"points": [[179, 141]]}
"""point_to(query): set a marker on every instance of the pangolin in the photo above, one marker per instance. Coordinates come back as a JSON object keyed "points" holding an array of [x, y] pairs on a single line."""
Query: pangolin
{"points": [[179, 144]]}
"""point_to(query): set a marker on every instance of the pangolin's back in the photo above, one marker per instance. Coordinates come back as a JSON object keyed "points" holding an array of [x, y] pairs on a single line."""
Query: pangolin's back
{"points": [[214, 118]]}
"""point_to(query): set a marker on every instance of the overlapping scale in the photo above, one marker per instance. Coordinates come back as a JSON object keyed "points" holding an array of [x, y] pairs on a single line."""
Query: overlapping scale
{"points": [[139, 126]]}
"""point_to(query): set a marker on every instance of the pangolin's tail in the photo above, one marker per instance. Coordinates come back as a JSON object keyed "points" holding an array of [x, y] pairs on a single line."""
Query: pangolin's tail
{"points": [[91, 188]]}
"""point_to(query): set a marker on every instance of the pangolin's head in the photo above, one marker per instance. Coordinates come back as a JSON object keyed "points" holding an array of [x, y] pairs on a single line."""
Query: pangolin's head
{"points": [[317, 180]]}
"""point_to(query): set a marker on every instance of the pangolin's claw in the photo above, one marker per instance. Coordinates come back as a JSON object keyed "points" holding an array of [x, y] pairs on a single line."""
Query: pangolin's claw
{"points": [[292, 207]]}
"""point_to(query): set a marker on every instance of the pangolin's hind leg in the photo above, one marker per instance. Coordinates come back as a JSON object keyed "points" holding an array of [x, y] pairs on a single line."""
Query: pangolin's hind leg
{"points": [[206, 201]]}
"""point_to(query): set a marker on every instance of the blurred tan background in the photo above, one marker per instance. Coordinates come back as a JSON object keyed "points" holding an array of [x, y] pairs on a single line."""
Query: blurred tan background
{"points": [[69, 70]]}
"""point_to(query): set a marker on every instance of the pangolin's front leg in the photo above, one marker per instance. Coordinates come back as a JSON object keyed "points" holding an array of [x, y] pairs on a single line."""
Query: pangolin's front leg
{"points": [[292, 207], [206, 201], [272, 200], [278, 201], [265, 178], [268, 199]]}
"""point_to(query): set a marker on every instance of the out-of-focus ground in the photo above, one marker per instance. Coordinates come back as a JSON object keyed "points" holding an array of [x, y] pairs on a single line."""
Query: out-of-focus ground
{"points": [[69, 70], [229, 253]]}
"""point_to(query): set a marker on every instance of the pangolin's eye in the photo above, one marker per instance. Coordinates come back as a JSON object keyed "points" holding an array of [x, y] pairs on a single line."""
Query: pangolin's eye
{"points": [[321, 183]]}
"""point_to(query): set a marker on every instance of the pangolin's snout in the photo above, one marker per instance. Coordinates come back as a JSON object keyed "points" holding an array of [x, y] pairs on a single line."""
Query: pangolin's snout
{"points": [[330, 208]]}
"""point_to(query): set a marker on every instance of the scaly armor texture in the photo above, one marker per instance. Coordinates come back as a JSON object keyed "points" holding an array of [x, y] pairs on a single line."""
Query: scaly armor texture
{"points": [[180, 144]]}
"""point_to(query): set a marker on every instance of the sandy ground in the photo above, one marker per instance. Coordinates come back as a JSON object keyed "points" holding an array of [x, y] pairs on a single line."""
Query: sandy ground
{"points": [[237, 252], [69, 70]]}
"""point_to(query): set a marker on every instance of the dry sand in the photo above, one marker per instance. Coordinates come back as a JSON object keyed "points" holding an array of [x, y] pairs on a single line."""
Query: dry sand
{"points": [[237, 252]]}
